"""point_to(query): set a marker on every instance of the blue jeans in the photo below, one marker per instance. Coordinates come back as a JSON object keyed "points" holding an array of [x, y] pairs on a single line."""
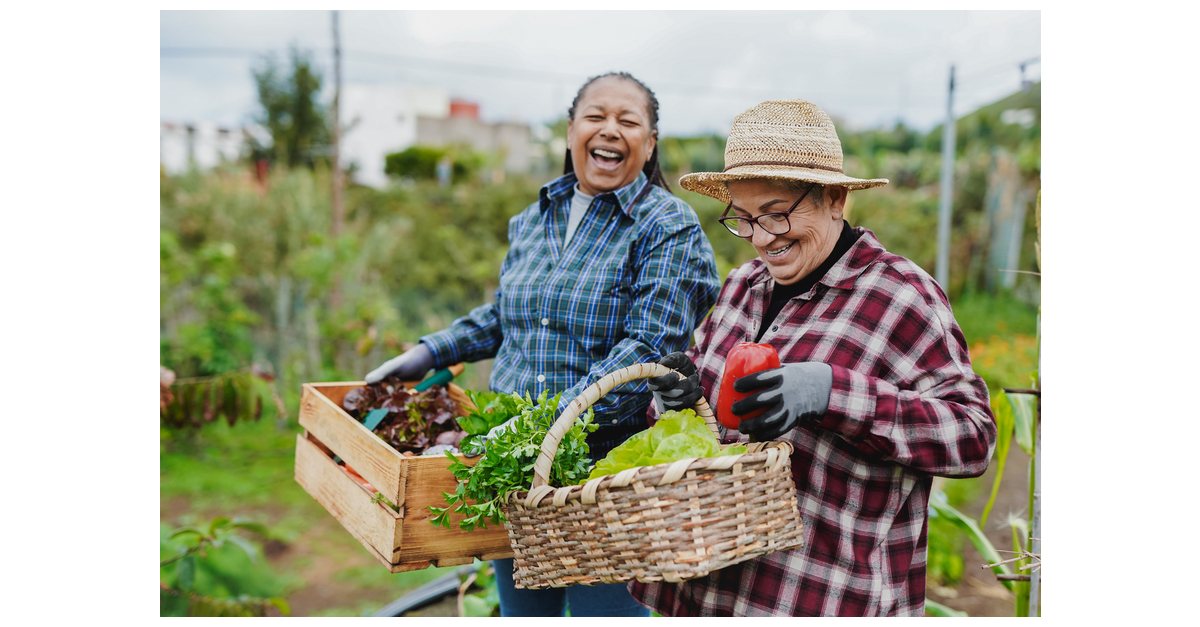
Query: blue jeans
{"points": [[610, 599]]}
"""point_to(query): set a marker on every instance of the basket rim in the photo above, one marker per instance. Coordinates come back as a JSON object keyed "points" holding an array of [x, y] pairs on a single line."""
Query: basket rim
{"points": [[536, 497]]}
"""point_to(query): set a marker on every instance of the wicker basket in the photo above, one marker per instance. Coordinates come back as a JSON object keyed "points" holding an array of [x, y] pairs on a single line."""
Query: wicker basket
{"points": [[670, 522]]}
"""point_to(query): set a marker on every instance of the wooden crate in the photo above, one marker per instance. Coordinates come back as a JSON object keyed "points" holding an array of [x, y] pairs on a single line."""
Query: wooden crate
{"points": [[402, 540]]}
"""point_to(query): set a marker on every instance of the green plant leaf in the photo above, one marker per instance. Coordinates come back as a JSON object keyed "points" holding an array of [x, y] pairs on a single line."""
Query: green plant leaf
{"points": [[187, 531], [249, 525], [939, 504], [1024, 410], [1004, 436], [185, 573], [282, 604], [218, 523], [476, 606], [245, 545], [933, 608], [685, 445]]}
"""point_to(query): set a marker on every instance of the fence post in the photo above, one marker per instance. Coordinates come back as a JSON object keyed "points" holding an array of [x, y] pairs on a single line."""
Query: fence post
{"points": [[942, 271]]}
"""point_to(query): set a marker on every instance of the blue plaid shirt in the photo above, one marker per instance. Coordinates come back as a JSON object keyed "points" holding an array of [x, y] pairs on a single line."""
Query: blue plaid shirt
{"points": [[636, 279]]}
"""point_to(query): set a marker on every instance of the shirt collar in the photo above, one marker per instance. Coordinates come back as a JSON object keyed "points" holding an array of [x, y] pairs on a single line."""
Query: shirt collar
{"points": [[861, 255], [562, 187]]}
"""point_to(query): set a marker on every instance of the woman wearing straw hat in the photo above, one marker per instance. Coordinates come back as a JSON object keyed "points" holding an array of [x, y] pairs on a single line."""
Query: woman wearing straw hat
{"points": [[607, 269], [876, 391]]}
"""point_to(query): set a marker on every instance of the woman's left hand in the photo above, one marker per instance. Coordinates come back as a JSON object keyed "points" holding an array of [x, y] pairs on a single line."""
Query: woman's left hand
{"points": [[790, 393]]}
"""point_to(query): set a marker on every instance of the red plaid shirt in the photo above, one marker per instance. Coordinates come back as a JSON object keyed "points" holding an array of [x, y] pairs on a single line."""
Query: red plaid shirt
{"points": [[905, 406]]}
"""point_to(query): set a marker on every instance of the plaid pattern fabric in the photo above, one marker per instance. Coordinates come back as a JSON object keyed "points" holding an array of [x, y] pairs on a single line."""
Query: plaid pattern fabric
{"points": [[905, 406], [635, 280]]}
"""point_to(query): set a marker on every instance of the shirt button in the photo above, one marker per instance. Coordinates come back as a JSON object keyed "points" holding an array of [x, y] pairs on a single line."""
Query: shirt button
{"points": [[614, 421], [775, 328], [541, 378], [545, 321]]}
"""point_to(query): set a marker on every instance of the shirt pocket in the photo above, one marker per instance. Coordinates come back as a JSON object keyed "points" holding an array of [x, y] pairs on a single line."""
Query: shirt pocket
{"points": [[595, 301]]}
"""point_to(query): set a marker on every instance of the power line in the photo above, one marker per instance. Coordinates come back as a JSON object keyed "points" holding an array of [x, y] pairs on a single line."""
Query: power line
{"points": [[542, 76], [555, 79], [995, 69]]}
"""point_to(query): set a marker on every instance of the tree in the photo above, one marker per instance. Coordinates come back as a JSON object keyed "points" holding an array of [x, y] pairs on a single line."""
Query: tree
{"points": [[297, 121]]}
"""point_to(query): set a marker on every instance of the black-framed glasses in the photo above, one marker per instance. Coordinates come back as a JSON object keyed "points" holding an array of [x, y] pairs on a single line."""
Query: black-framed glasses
{"points": [[773, 223]]}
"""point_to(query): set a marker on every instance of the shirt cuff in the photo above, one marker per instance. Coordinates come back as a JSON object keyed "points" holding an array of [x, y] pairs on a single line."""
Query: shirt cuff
{"points": [[444, 348], [855, 399]]}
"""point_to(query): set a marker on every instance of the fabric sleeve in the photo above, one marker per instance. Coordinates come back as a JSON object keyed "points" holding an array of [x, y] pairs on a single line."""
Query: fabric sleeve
{"points": [[931, 412], [473, 337], [477, 335], [674, 285]]}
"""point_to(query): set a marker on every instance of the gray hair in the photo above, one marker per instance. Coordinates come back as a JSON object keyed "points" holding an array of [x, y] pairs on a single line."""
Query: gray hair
{"points": [[793, 186]]}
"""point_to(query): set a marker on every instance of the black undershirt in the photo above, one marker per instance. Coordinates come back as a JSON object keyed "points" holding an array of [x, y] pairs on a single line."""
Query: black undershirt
{"points": [[783, 293]]}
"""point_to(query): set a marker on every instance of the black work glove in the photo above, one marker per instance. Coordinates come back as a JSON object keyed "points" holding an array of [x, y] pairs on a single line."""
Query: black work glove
{"points": [[791, 393], [670, 390], [411, 365]]}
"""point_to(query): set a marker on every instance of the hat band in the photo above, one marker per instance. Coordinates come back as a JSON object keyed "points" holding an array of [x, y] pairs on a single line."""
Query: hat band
{"points": [[786, 163]]}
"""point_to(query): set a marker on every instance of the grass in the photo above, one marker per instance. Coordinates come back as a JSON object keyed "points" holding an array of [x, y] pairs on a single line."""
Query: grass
{"points": [[248, 470], [982, 316]]}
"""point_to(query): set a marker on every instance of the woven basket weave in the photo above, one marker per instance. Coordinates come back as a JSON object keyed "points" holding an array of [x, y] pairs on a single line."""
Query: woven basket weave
{"points": [[670, 522]]}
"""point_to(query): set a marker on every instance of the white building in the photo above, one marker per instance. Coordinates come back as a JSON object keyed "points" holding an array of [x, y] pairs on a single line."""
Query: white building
{"points": [[204, 144], [382, 119]]}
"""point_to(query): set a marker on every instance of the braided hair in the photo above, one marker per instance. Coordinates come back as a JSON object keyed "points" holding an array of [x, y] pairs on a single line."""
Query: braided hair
{"points": [[652, 170]]}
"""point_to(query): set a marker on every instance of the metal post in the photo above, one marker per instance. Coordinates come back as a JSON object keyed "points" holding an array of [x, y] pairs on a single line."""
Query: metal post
{"points": [[1035, 578], [942, 272], [337, 130], [335, 295]]}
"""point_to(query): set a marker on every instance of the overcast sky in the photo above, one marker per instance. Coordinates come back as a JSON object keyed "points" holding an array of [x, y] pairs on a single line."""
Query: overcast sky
{"points": [[868, 68]]}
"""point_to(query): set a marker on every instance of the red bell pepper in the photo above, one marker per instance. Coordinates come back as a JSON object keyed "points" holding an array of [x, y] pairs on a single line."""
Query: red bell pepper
{"points": [[745, 358]]}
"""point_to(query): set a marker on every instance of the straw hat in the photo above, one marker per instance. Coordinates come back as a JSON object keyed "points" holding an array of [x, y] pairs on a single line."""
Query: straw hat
{"points": [[779, 139]]}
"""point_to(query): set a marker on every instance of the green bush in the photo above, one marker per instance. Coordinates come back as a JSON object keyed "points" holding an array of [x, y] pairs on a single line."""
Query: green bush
{"points": [[421, 162], [211, 570]]}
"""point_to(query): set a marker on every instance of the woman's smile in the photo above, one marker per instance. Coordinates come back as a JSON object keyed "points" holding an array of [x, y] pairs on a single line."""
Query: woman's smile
{"points": [[777, 254], [606, 159]]}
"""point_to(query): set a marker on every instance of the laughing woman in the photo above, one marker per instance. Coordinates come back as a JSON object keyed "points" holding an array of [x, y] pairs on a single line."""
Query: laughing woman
{"points": [[875, 392], [607, 269]]}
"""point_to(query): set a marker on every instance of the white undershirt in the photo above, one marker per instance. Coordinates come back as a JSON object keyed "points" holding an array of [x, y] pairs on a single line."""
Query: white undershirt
{"points": [[579, 206]]}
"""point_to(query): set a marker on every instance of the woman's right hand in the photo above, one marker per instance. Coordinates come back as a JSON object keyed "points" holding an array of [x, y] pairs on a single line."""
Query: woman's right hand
{"points": [[671, 390], [411, 365]]}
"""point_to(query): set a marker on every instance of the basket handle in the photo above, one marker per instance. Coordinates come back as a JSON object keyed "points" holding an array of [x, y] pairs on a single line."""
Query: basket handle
{"points": [[593, 393]]}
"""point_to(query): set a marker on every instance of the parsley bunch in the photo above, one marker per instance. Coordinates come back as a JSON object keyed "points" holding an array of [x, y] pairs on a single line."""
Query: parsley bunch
{"points": [[507, 465]]}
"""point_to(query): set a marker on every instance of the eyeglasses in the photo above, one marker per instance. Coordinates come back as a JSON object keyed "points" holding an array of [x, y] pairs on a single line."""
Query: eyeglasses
{"points": [[773, 223]]}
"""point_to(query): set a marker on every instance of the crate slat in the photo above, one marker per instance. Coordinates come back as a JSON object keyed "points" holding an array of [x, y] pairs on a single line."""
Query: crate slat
{"points": [[346, 501], [403, 540], [369, 456]]}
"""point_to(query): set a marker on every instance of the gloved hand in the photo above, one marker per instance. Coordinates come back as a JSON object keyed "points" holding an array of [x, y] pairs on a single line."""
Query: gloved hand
{"points": [[411, 365], [500, 428], [477, 445], [791, 393], [670, 390]]}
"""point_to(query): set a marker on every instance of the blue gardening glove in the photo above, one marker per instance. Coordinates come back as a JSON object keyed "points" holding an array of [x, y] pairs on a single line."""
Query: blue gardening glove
{"points": [[673, 392], [791, 393], [411, 365]]}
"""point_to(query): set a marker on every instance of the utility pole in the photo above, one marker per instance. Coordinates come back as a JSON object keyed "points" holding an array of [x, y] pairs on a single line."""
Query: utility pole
{"points": [[1025, 85], [942, 272], [337, 130], [335, 296]]}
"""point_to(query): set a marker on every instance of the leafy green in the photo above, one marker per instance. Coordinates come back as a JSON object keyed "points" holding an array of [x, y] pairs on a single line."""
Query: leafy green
{"points": [[492, 409], [507, 465], [677, 435]]}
